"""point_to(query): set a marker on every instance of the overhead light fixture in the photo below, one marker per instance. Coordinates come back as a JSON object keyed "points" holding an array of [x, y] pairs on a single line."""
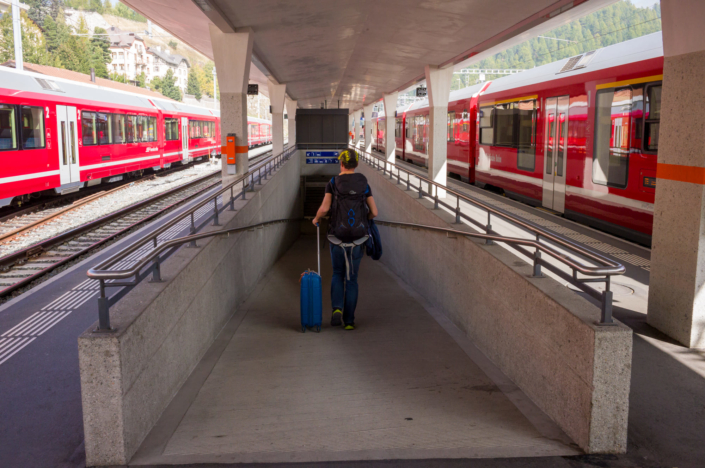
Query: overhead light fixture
{"points": [[203, 5]]}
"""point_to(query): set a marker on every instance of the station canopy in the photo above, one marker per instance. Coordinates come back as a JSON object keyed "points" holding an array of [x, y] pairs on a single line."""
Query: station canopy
{"points": [[348, 53]]}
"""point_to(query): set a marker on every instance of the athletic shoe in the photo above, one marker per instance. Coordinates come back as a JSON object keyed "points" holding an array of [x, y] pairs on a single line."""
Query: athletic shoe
{"points": [[350, 326], [337, 319]]}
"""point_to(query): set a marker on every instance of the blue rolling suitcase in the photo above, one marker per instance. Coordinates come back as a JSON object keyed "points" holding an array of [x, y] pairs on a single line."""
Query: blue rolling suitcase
{"points": [[312, 295]]}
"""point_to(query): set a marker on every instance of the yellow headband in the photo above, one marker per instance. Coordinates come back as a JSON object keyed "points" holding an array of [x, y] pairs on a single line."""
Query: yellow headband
{"points": [[345, 156]]}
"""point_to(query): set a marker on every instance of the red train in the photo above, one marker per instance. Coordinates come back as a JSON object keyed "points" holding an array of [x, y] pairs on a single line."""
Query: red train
{"points": [[578, 136], [58, 136]]}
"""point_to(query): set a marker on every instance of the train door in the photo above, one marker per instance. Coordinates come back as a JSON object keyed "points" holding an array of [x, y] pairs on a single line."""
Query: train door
{"points": [[555, 152], [68, 144], [184, 140]]}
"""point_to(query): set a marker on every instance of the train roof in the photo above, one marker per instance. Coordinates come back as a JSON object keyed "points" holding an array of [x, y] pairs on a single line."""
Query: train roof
{"points": [[456, 95], [23, 80], [631, 51], [258, 120]]}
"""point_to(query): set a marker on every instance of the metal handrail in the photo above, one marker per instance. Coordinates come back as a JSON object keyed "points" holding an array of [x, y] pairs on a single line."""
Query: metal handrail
{"points": [[102, 271], [602, 273]]}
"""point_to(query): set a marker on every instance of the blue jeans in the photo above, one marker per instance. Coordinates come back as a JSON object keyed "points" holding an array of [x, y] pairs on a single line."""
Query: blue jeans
{"points": [[343, 291]]}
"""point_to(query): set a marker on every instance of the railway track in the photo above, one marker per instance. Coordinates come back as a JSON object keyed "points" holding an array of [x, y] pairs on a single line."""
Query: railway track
{"points": [[48, 205], [22, 270]]}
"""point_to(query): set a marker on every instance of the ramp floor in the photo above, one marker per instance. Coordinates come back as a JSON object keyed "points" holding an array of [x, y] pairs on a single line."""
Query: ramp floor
{"points": [[400, 386]]}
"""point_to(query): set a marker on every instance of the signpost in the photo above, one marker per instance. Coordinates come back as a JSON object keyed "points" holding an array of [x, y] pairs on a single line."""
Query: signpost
{"points": [[322, 157]]}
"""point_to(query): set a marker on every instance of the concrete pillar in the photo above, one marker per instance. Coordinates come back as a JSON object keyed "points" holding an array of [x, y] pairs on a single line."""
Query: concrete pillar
{"points": [[677, 283], [232, 53], [291, 112], [390, 143], [356, 117], [438, 82], [277, 93], [367, 111]]}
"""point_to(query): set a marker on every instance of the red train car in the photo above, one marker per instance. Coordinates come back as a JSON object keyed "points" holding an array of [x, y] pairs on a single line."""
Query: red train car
{"points": [[578, 136], [260, 132], [58, 136]]}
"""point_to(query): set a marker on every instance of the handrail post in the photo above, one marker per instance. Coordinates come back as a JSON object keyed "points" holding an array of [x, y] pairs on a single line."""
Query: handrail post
{"points": [[537, 261], [435, 198], [252, 182], [157, 273], [420, 189], [192, 231], [215, 212], [259, 175], [488, 229], [408, 181], [103, 309], [606, 306], [232, 199], [457, 210]]}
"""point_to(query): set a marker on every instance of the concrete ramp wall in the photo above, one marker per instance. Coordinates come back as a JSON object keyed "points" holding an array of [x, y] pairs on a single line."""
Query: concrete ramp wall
{"points": [[541, 335], [163, 329]]}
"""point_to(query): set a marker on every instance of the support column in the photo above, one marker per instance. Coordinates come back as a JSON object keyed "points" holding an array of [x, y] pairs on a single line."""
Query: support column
{"points": [[291, 112], [232, 53], [438, 82], [390, 142], [367, 110], [356, 115], [277, 93], [677, 283]]}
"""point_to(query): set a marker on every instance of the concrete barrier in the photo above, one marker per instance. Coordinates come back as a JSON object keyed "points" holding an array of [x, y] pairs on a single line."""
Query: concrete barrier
{"points": [[540, 334], [163, 329]]}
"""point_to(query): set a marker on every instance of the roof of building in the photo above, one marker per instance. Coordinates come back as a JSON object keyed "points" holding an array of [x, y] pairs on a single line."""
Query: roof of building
{"points": [[120, 38], [82, 78], [171, 59]]}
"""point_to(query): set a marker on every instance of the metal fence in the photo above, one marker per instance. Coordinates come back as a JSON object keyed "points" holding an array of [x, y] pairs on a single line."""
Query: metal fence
{"points": [[602, 273], [109, 275]]}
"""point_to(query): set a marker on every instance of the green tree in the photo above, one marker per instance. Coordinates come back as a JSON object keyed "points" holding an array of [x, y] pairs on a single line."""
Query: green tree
{"points": [[173, 44], [141, 80], [101, 56], [168, 86], [34, 49], [193, 86]]}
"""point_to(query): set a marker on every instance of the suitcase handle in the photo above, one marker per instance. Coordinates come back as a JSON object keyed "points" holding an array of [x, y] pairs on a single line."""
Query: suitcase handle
{"points": [[318, 247]]}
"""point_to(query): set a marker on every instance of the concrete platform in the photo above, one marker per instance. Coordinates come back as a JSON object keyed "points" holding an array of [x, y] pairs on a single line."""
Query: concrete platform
{"points": [[404, 385]]}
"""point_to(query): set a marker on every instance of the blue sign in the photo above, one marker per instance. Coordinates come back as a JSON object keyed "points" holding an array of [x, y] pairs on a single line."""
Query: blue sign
{"points": [[319, 154], [321, 160]]}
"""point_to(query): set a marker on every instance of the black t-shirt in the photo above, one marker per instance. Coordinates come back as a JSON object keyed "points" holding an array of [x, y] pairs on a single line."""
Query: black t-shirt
{"points": [[361, 179]]}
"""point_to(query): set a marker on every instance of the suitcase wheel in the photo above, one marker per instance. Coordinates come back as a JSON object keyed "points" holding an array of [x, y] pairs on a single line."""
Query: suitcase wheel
{"points": [[318, 329], [303, 329]]}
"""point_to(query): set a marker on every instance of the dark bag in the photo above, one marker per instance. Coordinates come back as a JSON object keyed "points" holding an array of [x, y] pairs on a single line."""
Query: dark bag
{"points": [[349, 218], [374, 243]]}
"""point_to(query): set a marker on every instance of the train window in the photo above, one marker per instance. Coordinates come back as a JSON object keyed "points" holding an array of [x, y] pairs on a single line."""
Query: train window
{"points": [[451, 126], [253, 130], [504, 124], [32, 127], [102, 129], [152, 129], [8, 123], [117, 128], [652, 117], [612, 134], [397, 128], [171, 129], [486, 130], [130, 128], [526, 131], [88, 130]]}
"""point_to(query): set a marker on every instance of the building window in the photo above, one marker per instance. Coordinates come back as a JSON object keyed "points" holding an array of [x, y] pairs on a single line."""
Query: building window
{"points": [[612, 134]]}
